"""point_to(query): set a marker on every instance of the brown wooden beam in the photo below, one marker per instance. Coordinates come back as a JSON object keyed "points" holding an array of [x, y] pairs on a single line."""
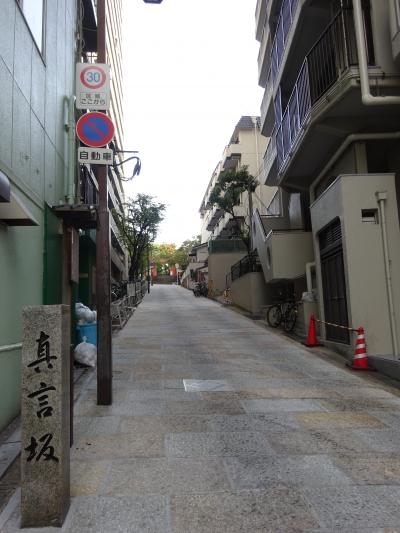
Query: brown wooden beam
{"points": [[103, 255]]}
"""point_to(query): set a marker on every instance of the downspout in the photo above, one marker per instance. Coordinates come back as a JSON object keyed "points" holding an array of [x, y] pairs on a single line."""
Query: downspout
{"points": [[10, 347], [381, 198], [309, 266], [69, 125], [367, 98], [350, 139]]}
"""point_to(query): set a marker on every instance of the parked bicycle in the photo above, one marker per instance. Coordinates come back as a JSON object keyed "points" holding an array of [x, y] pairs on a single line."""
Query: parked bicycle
{"points": [[283, 313], [200, 289]]}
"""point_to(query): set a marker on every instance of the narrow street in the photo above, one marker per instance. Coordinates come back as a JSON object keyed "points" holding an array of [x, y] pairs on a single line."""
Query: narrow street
{"points": [[220, 425]]}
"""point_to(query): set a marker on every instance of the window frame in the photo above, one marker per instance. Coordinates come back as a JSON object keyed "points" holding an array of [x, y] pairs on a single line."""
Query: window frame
{"points": [[42, 46]]}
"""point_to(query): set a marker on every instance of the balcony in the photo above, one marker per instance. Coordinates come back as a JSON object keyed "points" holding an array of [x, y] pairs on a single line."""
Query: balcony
{"points": [[267, 110], [285, 21], [329, 73], [261, 12], [270, 162], [286, 254], [215, 216]]}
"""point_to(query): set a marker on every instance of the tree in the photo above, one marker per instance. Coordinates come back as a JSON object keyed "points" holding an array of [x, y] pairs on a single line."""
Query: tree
{"points": [[226, 195], [162, 255], [182, 253], [138, 228]]}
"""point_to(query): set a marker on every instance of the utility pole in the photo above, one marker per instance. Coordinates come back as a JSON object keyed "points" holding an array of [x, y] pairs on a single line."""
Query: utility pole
{"points": [[103, 256]]}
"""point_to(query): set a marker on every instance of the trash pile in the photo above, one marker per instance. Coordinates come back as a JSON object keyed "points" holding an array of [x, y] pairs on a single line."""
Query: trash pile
{"points": [[84, 314], [85, 353]]}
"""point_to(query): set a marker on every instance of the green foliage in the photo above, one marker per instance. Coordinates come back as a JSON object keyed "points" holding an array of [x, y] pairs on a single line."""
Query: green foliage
{"points": [[226, 195], [169, 253], [138, 228]]}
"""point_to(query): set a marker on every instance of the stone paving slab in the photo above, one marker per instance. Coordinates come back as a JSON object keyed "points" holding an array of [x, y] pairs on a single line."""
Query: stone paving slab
{"points": [[347, 507], [263, 472], [269, 511], [275, 439], [163, 476]]}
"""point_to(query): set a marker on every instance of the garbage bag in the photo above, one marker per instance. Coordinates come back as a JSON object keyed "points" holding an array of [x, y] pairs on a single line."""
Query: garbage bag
{"points": [[86, 354]]}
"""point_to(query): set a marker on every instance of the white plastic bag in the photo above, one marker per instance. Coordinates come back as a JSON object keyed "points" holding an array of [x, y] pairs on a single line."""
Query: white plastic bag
{"points": [[86, 354]]}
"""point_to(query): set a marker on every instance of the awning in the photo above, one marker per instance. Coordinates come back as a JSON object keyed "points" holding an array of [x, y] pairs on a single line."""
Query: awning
{"points": [[4, 188], [14, 213], [81, 216]]}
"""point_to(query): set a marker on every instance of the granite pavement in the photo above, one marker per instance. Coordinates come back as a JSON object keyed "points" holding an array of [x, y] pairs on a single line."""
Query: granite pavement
{"points": [[220, 424]]}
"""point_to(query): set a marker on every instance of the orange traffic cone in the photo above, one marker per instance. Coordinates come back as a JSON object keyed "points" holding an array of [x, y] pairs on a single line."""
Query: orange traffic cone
{"points": [[360, 359], [312, 334]]}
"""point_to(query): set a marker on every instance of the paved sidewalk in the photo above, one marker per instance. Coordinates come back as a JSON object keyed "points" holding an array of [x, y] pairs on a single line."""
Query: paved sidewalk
{"points": [[221, 426]]}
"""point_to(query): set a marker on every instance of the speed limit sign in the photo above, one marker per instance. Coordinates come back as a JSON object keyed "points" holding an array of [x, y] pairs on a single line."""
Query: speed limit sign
{"points": [[92, 86]]}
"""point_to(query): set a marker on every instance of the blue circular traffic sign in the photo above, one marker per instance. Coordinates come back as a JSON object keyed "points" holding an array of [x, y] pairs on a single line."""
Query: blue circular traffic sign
{"points": [[95, 129]]}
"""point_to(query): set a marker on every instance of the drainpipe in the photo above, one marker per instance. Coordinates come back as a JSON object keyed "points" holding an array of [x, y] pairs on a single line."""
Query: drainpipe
{"points": [[381, 198], [10, 347], [350, 139], [367, 98], [309, 267], [69, 125]]}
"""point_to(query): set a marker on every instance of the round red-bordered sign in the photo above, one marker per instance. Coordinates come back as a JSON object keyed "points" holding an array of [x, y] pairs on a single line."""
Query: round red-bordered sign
{"points": [[95, 129], [93, 77]]}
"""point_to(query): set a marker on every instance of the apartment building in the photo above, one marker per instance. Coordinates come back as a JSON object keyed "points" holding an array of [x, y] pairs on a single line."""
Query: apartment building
{"points": [[37, 77], [89, 185], [330, 70], [245, 149]]}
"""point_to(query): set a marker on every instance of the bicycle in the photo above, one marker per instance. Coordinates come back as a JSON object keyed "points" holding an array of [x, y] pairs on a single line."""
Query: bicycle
{"points": [[283, 313]]}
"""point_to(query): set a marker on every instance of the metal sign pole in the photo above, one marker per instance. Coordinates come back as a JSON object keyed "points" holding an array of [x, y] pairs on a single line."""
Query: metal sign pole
{"points": [[103, 256]]}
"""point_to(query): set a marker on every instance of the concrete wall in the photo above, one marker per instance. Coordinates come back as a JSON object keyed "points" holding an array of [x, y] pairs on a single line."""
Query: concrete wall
{"points": [[250, 292], [33, 156], [219, 265], [363, 252]]}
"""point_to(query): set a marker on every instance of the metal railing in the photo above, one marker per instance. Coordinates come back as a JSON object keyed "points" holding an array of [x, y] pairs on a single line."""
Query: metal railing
{"points": [[333, 53], [285, 21], [250, 263], [88, 188]]}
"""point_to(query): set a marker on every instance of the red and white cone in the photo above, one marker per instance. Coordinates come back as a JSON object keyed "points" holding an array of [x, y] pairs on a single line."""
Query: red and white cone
{"points": [[360, 359]]}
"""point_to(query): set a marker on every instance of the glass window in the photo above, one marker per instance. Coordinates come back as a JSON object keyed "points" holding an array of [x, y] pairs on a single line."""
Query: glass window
{"points": [[33, 13], [397, 4]]}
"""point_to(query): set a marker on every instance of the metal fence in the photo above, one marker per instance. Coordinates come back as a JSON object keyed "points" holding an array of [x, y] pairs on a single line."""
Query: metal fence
{"points": [[250, 263], [330, 57]]}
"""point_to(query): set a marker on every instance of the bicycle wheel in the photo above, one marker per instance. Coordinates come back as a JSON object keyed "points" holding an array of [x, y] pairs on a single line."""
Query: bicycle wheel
{"points": [[274, 316], [290, 319]]}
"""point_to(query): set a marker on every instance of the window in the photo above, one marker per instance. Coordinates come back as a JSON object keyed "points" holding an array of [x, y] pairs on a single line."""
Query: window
{"points": [[33, 11], [397, 5]]}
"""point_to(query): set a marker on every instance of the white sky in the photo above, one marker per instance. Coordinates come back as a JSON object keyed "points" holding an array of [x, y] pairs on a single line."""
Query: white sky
{"points": [[190, 73]]}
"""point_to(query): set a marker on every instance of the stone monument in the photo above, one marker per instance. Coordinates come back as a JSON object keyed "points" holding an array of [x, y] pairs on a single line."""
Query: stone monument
{"points": [[45, 416]]}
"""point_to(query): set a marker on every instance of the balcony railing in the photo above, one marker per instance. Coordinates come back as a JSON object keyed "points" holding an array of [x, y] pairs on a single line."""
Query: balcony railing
{"points": [[330, 57], [285, 21], [250, 263], [88, 188]]}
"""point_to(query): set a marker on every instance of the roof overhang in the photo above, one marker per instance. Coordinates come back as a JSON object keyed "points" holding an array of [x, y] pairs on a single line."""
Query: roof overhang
{"points": [[5, 189], [14, 213], [80, 216]]}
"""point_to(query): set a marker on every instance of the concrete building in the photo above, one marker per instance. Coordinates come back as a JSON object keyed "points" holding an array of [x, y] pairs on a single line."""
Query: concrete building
{"points": [[116, 197], [47, 201], [330, 70], [245, 149]]}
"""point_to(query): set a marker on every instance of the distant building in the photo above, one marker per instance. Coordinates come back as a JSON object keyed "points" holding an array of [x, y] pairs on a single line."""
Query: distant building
{"points": [[245, 149]]}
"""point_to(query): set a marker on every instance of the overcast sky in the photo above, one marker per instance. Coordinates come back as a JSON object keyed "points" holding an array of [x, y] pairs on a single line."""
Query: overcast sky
{"points": [[190, 73]]}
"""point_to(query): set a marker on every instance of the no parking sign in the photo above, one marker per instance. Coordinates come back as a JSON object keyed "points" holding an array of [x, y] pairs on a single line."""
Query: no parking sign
{"points": [[92, 86]]}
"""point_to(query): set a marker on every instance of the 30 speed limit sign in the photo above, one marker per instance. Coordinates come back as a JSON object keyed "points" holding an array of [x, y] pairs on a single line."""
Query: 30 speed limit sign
{"points": [[92, 86]]}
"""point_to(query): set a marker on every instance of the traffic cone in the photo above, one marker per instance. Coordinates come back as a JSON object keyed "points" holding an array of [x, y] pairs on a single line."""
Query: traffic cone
{"points": [[312, 334], [360, 359]]}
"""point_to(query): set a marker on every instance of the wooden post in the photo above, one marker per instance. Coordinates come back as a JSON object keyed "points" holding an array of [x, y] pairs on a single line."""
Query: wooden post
{"points": [[103, 255]]}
